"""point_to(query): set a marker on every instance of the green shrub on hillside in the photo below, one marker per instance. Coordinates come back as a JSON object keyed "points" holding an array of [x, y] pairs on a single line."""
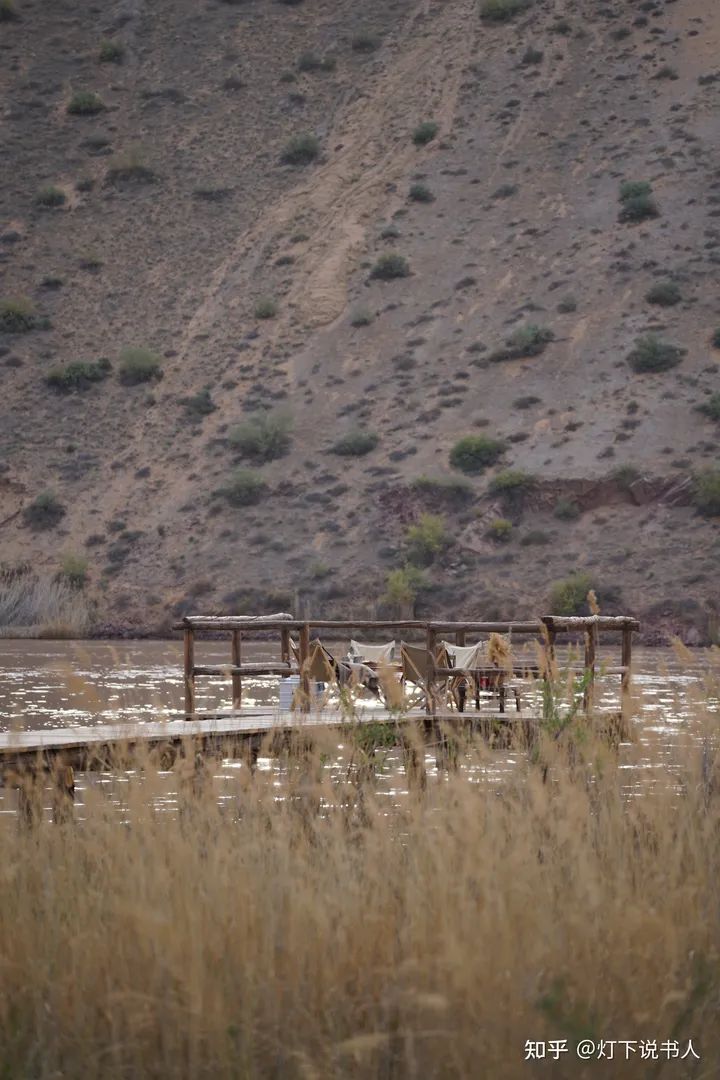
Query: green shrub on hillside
{"points": [[500, 11], [138, 366], [637, 202], [74, 570], [500, 530], [130, 166], [50, 197], [652, 355], [706, 493], [528, 340], [355, 444], [311, 63], [566, 510], [664, 293], [421, 193], [447, 489], [301, 150], [263, 437], [426, 539], [17, 316], [244, 488], [79, 375], [199, 405], [569, 596], [111, 52], [390, 266], [365, 43], [425, 132], [8, 11], [266, 308], [85, 103], [711, 407], [403, 585], [44, 512], [474, 453]]}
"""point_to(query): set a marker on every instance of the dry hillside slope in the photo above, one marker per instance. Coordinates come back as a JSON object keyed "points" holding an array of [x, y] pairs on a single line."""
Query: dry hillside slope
{"points": [[213, 185]]}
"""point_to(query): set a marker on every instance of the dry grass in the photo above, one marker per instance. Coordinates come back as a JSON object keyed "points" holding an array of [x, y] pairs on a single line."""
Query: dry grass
{"points": [[41, 606], [316, 929]]}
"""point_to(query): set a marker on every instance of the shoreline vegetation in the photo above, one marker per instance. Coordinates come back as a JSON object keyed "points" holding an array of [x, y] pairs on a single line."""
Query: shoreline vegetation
{"points": [[304, 922]]}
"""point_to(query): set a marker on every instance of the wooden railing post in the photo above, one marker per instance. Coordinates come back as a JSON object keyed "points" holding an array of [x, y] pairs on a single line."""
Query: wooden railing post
{"points": [[236, 677], [430, 704], [189, 642], [285, 645], [591, 640], [626, 661], [304, 666]]}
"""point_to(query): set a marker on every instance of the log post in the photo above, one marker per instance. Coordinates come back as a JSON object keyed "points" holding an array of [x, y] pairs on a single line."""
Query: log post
{"points": [[189, 642], [460, 637], [626, 661], [285, 645], [304, 666], [431, 646], [591, 638], [236, 677]]}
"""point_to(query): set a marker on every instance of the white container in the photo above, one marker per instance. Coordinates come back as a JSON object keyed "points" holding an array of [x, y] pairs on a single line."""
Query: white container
{"points": [[287, 689]]}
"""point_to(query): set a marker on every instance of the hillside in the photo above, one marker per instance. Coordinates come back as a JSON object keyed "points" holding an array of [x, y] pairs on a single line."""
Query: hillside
{"points": [[153, 199]]}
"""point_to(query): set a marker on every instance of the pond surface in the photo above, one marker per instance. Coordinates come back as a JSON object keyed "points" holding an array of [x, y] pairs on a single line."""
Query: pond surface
{"points": [[50, 684]]}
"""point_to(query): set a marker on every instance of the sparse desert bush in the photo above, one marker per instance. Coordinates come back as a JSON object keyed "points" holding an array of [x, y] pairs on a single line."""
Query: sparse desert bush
{"points": [[526, 401], [365, 43], [529, 340], [17, 316], [505, 191], [664, 293], [653, 355], [44, 512], [421, 193], [569, 596], [85, 103], [715, 341], [138, 365], [402, 586], [244, 488], [130, 167], [625, 476], [536, 537], [500, 530], [391, 232], [199, 405], [532, 56], [667, 72], [50, 197], [263, 437], [74, 570], [425, 132], [8, 11], [500, 11], [510, 481], [637, 202], [711, 407], [390, 266], [361, 316], [111, 52], [567, 305], [566, 510], [474, 453], [78, 375], [447, 489], [706, 492], [266, 308], [355, 444], [301, 149], [425, 539], [310, 62]]}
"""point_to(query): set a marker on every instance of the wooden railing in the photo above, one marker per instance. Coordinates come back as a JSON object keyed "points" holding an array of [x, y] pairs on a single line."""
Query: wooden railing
{"points": [[545, 629]]}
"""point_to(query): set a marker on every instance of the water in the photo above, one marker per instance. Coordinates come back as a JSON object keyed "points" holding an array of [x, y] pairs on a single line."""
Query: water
{"points": [[50, 684]]}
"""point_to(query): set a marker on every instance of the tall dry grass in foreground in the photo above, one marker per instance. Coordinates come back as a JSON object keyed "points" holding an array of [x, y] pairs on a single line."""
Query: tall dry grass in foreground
{"points": [[338, 933], [41, 606]]}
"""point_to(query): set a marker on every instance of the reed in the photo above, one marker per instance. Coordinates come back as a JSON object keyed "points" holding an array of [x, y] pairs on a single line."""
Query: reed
{"points": [[41, 606], [300, 923]]}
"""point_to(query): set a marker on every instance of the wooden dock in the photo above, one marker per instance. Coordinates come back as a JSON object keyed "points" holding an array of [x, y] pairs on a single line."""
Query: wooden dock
{"points": [[29, 757]]}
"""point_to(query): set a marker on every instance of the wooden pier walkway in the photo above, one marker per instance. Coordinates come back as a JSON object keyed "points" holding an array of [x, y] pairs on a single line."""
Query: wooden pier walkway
{"points": [[29, 755]]}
